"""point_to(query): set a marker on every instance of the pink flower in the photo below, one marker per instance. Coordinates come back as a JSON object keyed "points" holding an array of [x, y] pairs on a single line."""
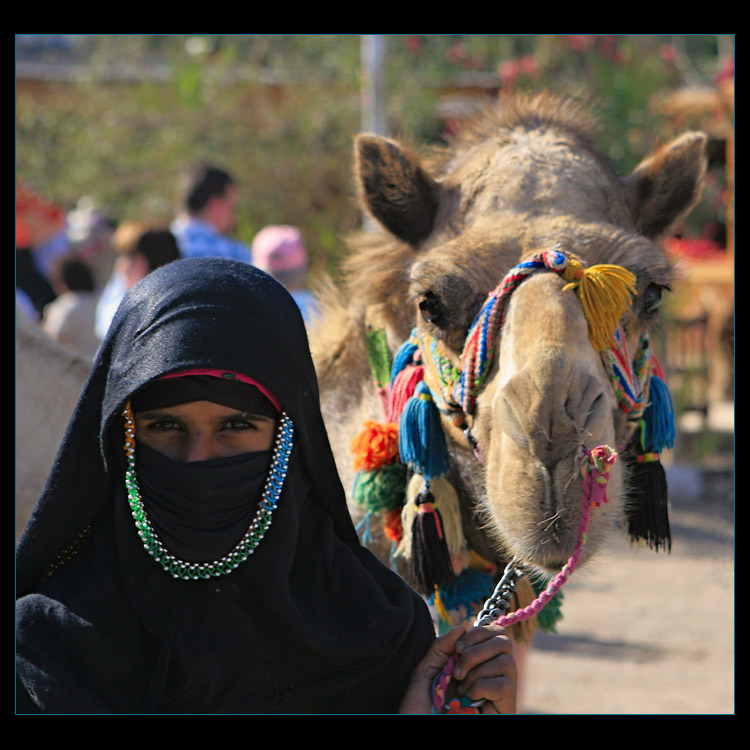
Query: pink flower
{"points": [[529, 65], [668, 54], [511, 69], [580, 42], [726, 71], [456, 53]]}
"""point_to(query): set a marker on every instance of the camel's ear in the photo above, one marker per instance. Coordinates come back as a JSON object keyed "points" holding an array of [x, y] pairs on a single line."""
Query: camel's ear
{"points": [[395, 189], [666, 184]]}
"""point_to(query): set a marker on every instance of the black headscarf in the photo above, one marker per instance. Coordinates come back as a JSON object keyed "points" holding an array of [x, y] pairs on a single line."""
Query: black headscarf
{"points": [[310, 623]]}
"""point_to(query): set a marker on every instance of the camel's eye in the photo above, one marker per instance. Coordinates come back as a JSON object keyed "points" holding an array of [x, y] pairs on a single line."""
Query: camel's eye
{"points": [[652, 299], [433, 310]]}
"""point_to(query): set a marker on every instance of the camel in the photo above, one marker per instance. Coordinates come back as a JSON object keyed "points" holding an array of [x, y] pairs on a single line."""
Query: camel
{"points": [[49, 380], [522, 181]]}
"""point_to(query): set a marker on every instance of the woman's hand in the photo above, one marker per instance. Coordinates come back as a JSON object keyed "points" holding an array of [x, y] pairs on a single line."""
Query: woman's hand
{"points": [[486, 669]]}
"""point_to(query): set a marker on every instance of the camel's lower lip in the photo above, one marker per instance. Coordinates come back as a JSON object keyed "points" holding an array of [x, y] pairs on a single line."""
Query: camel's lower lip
{"points": [[554, 566], [550, 566], [552, 569]]}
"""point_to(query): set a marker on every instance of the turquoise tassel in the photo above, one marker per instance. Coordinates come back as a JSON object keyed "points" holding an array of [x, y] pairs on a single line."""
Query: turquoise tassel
{"points": [[659, 417], [404, 356], [422, 443]]}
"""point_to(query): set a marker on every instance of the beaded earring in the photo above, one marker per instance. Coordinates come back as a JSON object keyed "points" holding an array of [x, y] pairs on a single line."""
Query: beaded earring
{"points": [[246, 546]]}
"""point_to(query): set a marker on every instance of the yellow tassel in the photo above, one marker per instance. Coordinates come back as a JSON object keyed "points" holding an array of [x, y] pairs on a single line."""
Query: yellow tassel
{"points": [[605, 294], [445, 501]]}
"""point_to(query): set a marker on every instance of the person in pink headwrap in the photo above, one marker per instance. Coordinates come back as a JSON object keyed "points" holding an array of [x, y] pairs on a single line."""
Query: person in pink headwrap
{"points": [[280, 251]]}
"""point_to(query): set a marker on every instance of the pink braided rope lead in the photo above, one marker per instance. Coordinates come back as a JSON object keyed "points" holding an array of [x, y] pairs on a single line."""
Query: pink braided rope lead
{"points": [[595, 467]]}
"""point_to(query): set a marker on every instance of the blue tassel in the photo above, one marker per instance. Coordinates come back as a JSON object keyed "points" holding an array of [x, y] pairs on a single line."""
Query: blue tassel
{"points": [[422, 443], [659, 417], [403, 357]]}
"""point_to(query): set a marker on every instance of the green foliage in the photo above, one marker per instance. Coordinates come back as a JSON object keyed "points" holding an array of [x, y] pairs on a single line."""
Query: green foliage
{"points": [[280, 111]]}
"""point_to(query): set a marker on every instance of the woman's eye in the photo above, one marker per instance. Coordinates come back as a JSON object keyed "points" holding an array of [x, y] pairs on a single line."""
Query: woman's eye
{"points": [[163, 425], [240, 424]]}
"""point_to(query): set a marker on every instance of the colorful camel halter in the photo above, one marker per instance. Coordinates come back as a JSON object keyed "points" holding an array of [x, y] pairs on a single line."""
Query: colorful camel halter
{"points": [[605, 294], [424, 520]]}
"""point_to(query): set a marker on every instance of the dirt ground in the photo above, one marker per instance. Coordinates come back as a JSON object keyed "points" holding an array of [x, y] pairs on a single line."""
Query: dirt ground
{"points": [[646, 632]]}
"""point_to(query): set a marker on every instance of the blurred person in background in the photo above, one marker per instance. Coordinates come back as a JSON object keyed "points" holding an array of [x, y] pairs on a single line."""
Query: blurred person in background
{"points": [[44, 229], [280, 252], [139, 249], [90, 238], [40, 238], [69, 319], [207, 203]]}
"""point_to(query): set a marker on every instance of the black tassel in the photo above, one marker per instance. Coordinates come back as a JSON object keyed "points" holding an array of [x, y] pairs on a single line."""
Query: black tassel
{"points": [[648, 513], [430, 559]]}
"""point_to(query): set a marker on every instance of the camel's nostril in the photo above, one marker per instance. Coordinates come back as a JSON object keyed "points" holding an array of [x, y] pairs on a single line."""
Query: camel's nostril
{"points": [[595, 410]]}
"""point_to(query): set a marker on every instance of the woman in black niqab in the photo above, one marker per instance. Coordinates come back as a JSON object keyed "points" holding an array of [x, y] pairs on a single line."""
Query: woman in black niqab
{"points": [[309, 623]]}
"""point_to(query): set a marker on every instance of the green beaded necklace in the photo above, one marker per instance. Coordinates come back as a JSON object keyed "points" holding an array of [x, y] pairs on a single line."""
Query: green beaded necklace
{"points": [[194, 571]]}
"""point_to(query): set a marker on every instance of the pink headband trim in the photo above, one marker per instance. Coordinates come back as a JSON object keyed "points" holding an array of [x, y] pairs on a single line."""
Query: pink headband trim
{"points": [[227, 374]]}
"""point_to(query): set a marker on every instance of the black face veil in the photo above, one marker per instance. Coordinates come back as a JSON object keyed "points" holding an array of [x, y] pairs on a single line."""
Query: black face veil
{"points": [[309, 623]]}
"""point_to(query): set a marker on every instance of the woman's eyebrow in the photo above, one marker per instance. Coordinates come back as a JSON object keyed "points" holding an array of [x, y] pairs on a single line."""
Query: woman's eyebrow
{"points": [[258, 417], [154, 414]]}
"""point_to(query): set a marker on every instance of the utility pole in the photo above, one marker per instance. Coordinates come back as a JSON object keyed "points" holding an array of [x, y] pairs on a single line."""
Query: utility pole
{"points": [[372, 94]]}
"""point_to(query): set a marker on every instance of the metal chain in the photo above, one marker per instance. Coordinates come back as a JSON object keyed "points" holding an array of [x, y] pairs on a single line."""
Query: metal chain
{"points": [[499, 603]]}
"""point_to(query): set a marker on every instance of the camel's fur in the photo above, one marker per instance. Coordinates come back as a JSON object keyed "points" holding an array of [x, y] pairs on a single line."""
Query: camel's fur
{"points": [[520, 179]]}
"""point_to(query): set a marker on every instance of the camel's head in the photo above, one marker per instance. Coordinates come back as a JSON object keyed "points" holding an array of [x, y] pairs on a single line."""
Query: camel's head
{"points": [[512, 188]]}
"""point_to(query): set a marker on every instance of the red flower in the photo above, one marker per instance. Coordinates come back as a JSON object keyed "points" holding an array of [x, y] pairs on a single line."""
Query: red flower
{"points": [[414, 42], [668, 54]]}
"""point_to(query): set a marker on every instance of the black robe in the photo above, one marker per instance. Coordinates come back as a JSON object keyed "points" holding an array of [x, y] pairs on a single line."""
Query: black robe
{"points": [[310, 623]]}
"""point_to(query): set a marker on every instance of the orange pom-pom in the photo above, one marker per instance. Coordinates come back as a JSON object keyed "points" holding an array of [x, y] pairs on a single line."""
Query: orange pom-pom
{"points": [[375, 446]]}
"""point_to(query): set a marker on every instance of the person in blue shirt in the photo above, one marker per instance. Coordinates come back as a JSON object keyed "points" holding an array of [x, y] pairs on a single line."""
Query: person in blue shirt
{"points": [[207, 214]]}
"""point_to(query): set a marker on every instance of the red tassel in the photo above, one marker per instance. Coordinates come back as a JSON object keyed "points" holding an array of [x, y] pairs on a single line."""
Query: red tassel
{"points": [[402, 389]]}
